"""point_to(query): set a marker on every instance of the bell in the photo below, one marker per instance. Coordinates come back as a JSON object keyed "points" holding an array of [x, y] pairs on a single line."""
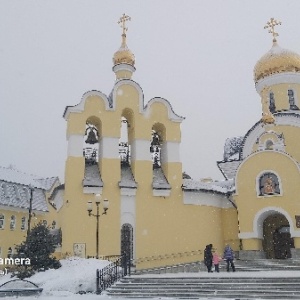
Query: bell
{"points": [[91, 139]]}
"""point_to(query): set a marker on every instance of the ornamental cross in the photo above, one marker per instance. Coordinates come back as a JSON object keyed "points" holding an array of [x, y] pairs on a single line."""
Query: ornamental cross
{"points": [[270, 25], [122, 21]]}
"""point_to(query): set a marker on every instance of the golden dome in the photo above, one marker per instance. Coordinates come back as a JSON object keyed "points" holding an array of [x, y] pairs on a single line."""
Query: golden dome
{"points": [[124, 55], [276, 60]]}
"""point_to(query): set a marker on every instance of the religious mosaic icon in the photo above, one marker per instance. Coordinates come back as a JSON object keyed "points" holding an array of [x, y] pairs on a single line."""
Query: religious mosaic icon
{"points": [[269, 184]]}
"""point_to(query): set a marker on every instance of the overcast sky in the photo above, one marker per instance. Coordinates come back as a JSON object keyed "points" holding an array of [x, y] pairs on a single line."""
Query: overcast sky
{"points": [[199, 55]]}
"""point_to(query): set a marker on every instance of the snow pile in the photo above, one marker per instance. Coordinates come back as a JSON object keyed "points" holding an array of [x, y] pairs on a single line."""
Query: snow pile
{"points": [[75, 275]]}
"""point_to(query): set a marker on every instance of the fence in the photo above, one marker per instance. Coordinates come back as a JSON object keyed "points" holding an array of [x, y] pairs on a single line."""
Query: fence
{"points": [[116, 270]]}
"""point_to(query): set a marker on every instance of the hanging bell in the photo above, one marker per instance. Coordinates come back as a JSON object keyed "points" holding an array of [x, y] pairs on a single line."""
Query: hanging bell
{"points": [[91, 139]]}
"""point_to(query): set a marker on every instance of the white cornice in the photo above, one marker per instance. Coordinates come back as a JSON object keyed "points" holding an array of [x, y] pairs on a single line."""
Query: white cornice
{"points": [[133, 84], [171, 114], [80, 106], [289, 77]]}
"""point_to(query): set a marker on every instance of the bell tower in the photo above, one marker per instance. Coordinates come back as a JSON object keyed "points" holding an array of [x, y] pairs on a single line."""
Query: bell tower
{"points": [[125, 151]]}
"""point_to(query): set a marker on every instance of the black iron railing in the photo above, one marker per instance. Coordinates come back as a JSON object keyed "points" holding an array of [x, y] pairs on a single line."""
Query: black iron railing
{"points": [[112, 273]]}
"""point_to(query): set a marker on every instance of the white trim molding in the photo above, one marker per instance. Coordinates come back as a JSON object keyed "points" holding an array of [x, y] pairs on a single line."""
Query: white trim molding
{"points": [[171, 114], [288, 77], [259, 218], [170, 152], [75, 145], [80, 106], [132, 83], [109, 147]]}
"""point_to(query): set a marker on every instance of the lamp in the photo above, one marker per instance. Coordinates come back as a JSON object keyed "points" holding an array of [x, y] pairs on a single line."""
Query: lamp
{"points": [[97, 216]]}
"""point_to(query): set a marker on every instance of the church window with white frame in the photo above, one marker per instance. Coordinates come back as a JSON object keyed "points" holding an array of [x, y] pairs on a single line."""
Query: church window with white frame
{"points": [[23, 223], [268, 184], [12, 222], [292, 103], [2, 219]]}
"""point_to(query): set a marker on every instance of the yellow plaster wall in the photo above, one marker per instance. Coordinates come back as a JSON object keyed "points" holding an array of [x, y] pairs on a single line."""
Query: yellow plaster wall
{"points": [[247, 199], [281, 95]]}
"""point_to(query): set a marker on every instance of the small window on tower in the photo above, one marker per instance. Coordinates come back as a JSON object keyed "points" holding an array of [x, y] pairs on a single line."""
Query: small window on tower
{"points": [[272, 106], [12, 222], [293, 106], [2, 221], [269, 145], [23, 223]]}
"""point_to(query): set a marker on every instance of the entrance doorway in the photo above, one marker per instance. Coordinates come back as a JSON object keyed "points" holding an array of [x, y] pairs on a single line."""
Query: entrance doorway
{"points": [[127, 241], [277, 242]]}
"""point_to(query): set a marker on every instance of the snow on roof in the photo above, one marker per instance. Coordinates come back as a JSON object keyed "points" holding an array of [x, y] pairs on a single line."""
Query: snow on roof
{"points": [[13, 175], [17, 195], [92, 176], [127, 179], [229, 168], [214, 186], [160, 181]]}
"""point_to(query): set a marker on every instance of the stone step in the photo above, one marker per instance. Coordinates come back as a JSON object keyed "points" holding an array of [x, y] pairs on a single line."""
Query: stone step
{"points": [[207, 287]]}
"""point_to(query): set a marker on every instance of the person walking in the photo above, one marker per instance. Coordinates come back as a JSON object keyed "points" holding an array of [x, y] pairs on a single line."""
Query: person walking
{"points": [[208, 257], [229, 257], [216, 261]]}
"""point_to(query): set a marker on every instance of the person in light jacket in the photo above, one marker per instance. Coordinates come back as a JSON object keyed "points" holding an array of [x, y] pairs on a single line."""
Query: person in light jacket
{"points": [[229, 257], [216, 261]]}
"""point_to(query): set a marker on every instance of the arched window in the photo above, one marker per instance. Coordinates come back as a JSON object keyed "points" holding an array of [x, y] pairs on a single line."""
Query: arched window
{"points": [[268, 184], [91, 144], [127, 240], [272, 106], [2, 221], [155, 149], [53, 226], [269, 145], [23, 223], [12, 222], [124, 147], [293, 105]]}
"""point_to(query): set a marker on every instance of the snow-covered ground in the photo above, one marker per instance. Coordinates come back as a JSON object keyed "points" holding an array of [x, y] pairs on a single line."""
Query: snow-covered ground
{"points": [[80, 274]]}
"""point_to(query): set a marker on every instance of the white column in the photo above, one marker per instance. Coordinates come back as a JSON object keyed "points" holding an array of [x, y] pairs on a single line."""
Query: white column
{"points": [[75, 145], [109, 147]]}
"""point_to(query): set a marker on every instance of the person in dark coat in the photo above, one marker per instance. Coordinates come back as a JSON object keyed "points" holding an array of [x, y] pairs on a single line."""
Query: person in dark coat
{"points": [[229, 257], [208, 257]]}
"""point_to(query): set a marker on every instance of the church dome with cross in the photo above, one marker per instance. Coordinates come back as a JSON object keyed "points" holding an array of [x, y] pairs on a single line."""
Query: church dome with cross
{"points": [[277, 60], [124, 55]]}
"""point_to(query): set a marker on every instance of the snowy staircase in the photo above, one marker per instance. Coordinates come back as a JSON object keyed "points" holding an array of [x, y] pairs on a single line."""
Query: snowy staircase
{"points": [[207, 287], [215, 286]]}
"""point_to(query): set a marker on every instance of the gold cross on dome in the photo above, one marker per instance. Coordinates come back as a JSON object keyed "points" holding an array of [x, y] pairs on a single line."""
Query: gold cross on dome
{"points": [[270, 25], [122, 21]]}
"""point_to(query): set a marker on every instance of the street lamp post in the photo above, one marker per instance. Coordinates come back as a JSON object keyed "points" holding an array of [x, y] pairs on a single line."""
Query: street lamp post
{"points": [[30, 208], [97, 216]]}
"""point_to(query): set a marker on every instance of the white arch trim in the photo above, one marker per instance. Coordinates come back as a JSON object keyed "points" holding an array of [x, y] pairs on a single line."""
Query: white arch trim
{"points": [[171, 114], [80, 106], [259, 175], [259, 130], [133, 84], [259, 152], [259, 220]]}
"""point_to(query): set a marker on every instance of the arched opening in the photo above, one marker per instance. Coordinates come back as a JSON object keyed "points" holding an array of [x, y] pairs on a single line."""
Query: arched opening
{"points": [[126, 136], [127, 241], [277, 241], [92, 140], [158, 136]]}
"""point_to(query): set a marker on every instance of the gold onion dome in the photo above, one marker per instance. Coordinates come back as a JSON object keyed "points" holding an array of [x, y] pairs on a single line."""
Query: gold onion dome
{"points": [[124, 55], [276, 60]]}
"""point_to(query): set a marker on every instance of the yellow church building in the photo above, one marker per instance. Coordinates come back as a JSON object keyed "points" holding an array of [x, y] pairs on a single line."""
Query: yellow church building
{"points": [[126, 149]]}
